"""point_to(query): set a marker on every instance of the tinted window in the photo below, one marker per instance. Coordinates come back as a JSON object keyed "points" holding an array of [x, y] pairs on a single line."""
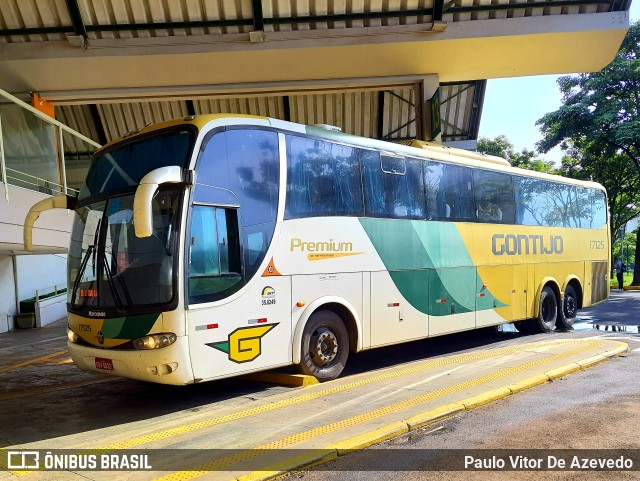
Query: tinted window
{"points": [[541, 202], [214, 254], [254, 171], [449, 192], [323, 179], [397, 195], [582, 208], [243, 166], [530, 201], [124, 166], [494, 197], [599, 207]]}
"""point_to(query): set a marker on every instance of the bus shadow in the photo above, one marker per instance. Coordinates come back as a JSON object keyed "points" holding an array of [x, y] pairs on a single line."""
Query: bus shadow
{"points": [[390, 356]]}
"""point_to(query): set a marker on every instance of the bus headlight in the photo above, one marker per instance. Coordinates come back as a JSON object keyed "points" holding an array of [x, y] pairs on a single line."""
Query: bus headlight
{"points": [[72, 336], [155, 341]]}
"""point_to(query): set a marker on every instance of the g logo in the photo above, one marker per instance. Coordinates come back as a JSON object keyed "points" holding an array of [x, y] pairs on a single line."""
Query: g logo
{"points": [[244, 344]]}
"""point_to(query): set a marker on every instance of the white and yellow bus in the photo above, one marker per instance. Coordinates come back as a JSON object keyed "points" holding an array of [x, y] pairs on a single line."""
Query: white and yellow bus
{"points": [[220, 245]]}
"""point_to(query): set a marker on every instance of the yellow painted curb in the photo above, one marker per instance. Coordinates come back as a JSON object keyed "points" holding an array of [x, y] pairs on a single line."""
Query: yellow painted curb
{"points": [[592, 361], [563, 371], [528, 383], [623, 348], [430, 417], [296, 380], [485, 397], [372, 437], [631, 288], [288, 466]]}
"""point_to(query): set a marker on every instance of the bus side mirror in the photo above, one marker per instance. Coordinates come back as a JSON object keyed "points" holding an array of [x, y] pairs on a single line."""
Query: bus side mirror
{"points": [[142, 206], [58, 202]]}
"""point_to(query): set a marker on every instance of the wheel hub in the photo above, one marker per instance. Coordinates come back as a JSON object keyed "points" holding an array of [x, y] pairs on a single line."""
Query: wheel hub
{"points": [[571, 307], [326, 346]]}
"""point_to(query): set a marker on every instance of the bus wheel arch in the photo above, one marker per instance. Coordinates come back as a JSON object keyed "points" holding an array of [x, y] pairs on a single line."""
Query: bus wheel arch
{"points": [[547, 307], [343, 310]]}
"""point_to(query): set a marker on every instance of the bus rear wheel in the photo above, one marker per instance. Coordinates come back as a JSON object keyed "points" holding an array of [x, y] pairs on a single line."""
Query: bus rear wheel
{"points": [[547, 312], [569, 308], [325, 346]]}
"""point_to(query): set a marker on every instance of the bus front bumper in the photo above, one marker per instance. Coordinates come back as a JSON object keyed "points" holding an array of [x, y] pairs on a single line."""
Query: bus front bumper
{"points": [[167, 365]]}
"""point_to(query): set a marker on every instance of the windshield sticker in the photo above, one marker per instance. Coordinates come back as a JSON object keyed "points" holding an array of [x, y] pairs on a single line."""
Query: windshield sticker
{"points": [[244, 344]]}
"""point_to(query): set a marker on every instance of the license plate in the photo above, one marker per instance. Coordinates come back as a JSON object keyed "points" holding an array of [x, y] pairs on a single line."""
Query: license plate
{"points": [[106, 364]]}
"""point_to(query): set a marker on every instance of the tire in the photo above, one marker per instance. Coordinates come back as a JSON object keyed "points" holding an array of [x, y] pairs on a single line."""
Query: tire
{"points": [[325, 346], [569, 308], [547, 312]]}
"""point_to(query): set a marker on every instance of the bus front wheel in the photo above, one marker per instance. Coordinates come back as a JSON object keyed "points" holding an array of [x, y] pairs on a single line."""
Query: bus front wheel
{"points": [[548, 311], [325, 346]]}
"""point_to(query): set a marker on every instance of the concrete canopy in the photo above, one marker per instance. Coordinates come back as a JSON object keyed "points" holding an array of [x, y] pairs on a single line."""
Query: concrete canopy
{"points": [[111, 54]]}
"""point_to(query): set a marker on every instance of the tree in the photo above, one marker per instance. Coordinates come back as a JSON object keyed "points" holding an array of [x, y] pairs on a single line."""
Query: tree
{"points": [[501, 147], [600, 120]]}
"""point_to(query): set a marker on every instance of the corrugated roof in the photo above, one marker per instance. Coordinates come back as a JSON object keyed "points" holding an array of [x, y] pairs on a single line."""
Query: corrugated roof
{"points": [[46, 20], [390, 114]]}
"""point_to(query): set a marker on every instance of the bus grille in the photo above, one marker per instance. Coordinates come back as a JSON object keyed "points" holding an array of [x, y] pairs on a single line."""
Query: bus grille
{"points": [[599, 281]]}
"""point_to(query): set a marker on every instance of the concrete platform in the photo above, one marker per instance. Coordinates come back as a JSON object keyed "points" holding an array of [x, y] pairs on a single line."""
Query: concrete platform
{"points": [[262, 435]]}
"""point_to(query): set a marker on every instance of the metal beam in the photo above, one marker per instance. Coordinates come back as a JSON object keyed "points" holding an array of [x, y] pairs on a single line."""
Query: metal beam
{"points": [[258, 18], [169, 25], [517, 6], [349, 16], [35, 31], [191, 109], [79, 27], [97, 122], [438, 9], [286, 104], [380, 114], [476, 113]]}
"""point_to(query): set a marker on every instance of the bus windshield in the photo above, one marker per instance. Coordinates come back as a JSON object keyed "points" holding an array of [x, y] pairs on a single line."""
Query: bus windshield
{"points": [[123, 166], [111, 268]]}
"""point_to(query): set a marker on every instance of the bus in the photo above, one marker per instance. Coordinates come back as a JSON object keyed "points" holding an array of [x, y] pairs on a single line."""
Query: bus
{"points": [[214, 246]]}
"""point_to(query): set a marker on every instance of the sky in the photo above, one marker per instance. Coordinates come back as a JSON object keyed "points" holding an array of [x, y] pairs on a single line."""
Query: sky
{"points": [[512, 106]]}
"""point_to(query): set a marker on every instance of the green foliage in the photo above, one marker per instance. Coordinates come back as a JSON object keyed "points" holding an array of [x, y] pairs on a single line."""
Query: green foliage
{"points": [[526, 159], [598, 125], [625, 248]]}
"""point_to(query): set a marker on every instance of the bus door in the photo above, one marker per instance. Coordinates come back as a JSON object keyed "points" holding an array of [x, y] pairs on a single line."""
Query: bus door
{"points": [[234, 325]]}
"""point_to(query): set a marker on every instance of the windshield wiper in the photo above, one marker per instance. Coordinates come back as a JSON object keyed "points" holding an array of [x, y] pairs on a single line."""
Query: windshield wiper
{"points": [[91, 249]]}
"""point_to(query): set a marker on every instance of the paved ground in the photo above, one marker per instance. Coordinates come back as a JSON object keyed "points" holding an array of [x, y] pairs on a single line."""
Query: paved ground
{"points": [[47, 403]]}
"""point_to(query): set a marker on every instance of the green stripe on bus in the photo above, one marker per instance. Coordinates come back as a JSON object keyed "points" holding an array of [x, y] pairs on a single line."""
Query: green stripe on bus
{"points": [[130, 327], [429, 257]]}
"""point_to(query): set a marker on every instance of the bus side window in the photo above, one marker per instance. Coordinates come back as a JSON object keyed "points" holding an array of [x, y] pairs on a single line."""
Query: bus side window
{"points": [[449, 194], [214, 254], [494, 197], [599, 208], [393, 186], [323, 179]]}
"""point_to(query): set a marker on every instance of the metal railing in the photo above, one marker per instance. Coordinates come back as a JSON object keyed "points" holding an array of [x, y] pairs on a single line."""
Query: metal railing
{"points": [[52, 290], [39, 184], [13, 176]]}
